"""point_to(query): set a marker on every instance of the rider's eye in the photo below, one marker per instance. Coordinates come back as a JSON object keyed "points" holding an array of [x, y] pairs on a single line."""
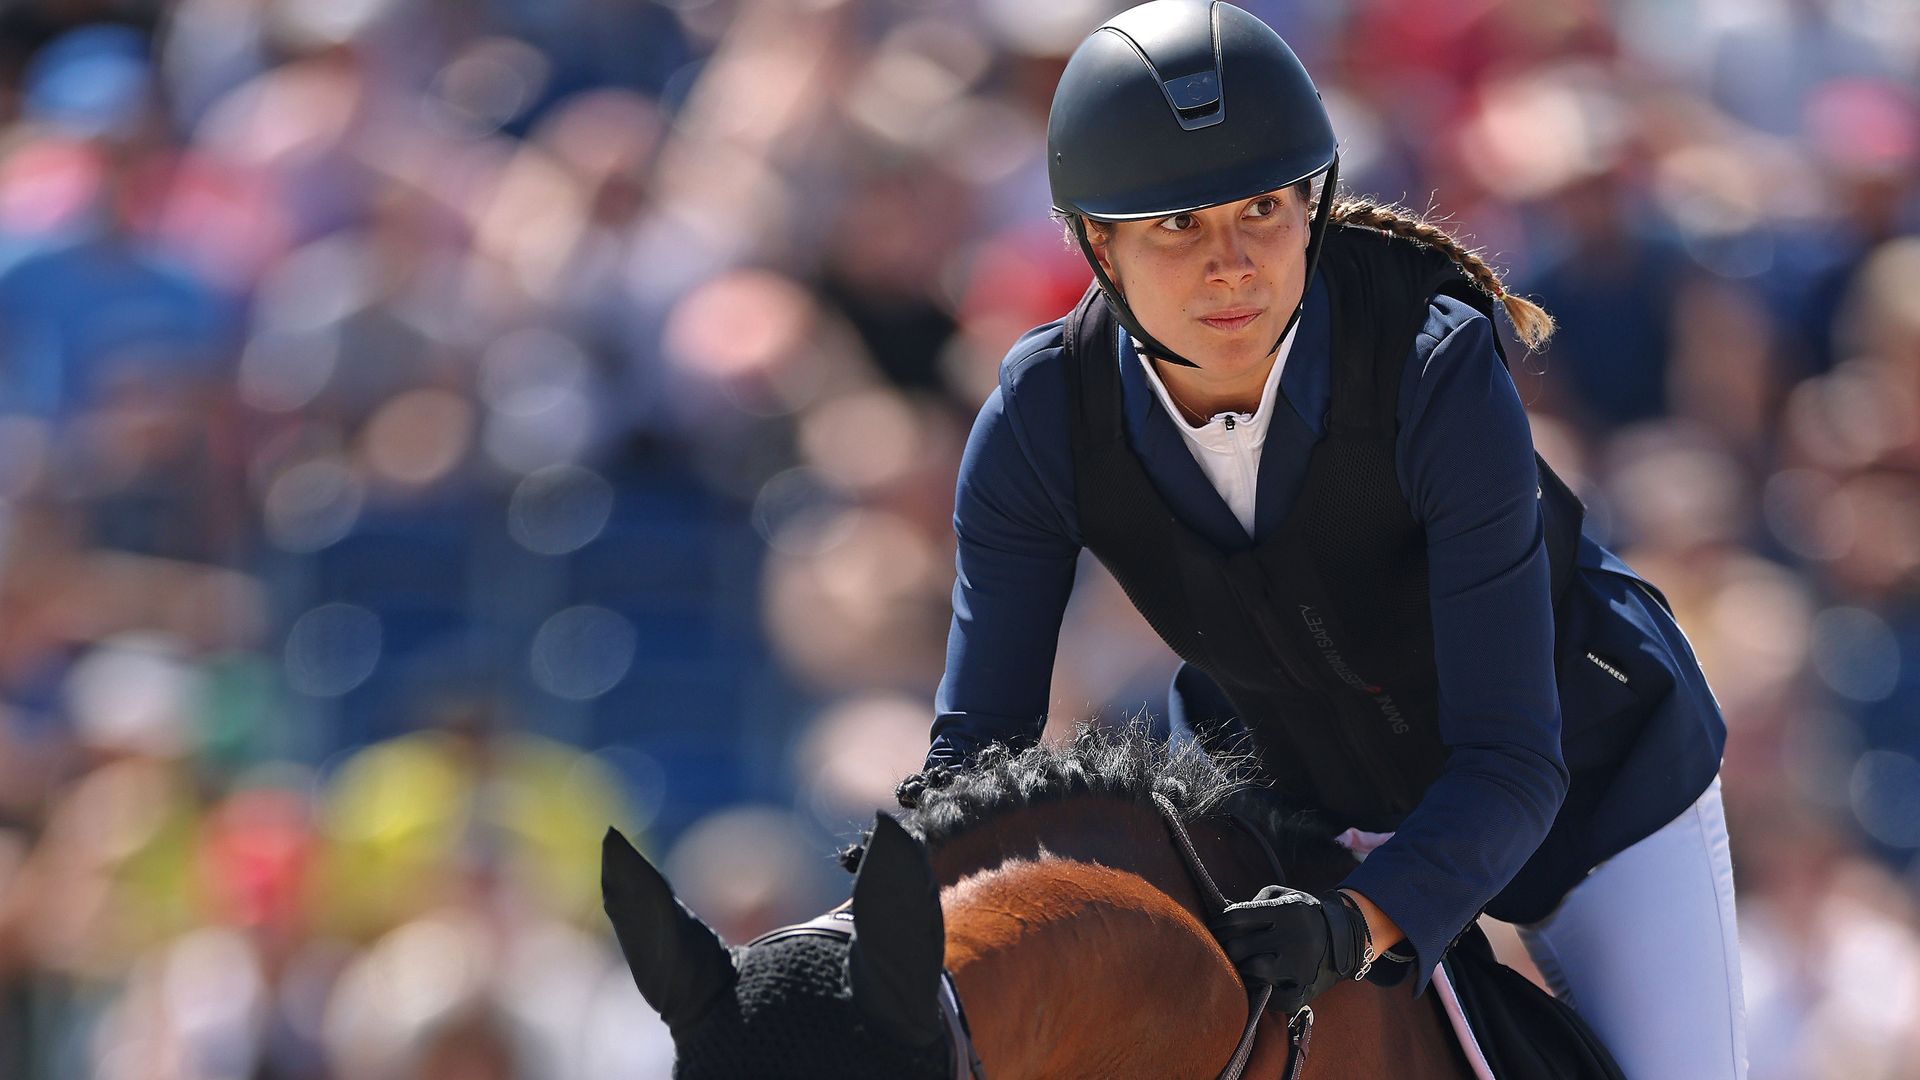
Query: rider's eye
{"points": [[1178, 222], [1264, 207]]}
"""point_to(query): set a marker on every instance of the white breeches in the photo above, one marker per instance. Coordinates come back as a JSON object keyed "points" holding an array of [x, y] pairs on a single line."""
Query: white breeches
{"points": [[1646, 950]]}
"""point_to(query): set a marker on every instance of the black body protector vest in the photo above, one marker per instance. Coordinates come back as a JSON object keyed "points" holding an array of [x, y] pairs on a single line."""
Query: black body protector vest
{"points": [[1320, 635]]}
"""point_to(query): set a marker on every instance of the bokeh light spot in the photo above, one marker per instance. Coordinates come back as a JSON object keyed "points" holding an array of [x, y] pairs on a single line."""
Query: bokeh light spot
{"points": [[1886, 797], [312, 504], [332, 649], [1855, 653], [281, 372], [559, 509], [799, 513], [420, 436], [583, 652]]}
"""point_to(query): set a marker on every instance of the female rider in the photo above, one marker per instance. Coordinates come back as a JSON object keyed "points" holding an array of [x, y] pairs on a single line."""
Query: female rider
{"points": [[1286, 426]]}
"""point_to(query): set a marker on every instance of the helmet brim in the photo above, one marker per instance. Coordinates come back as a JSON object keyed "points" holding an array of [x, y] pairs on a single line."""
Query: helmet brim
{"points": [[1216, 191]]}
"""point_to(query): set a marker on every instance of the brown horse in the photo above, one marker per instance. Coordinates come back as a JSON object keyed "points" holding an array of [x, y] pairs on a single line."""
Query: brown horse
{"points": [[1048, 886]]}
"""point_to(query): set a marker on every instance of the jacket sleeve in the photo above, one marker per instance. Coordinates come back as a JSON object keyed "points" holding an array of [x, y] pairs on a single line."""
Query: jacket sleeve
{"points": [[1015, 555], [1466, 464]]}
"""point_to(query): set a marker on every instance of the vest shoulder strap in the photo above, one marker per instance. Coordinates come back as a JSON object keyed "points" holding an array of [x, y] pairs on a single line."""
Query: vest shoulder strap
{"points": [[1097, 414], [1379, 287]]}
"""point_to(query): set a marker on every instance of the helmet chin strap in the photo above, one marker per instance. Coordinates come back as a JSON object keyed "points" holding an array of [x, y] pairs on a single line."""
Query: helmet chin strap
{"points": [[1151, 345]]}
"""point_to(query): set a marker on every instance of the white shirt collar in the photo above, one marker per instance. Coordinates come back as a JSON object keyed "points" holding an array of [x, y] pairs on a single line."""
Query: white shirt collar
{"points": [[1213, 434], [1227, 447]]}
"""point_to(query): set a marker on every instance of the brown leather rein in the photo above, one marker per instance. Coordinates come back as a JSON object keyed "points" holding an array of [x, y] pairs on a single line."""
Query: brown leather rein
{"points": [[1300, 1027]]}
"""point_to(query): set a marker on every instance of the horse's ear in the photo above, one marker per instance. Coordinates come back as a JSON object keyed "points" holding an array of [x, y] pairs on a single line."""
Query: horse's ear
{"points": [[899, 936], [678, 963]]}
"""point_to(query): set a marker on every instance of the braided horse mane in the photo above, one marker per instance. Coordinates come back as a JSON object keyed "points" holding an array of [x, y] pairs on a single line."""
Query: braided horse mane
{"points": [[943, 803]]}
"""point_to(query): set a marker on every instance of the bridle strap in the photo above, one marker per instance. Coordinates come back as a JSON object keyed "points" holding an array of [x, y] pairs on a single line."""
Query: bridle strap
{"points": [[966, 1060], [1300, 1028]]}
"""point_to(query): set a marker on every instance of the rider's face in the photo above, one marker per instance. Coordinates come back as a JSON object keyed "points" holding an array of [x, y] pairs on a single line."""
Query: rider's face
{"points": [[1214, 285]]}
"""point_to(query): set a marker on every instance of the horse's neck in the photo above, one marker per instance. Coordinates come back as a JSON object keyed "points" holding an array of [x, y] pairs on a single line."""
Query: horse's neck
{"points": [[1079, 947], [1076, 939]]}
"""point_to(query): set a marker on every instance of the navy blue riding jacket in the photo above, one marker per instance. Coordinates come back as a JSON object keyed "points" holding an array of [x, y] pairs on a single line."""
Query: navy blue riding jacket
{"points": [[1628, 713]]}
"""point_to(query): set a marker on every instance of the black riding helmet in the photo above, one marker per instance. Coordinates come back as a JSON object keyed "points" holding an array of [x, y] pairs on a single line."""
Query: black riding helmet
{"points": [[1178, 105]]}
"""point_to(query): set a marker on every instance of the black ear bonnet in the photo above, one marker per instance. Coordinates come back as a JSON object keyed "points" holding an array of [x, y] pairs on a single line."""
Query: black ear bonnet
{"points": [[792, 1015]]}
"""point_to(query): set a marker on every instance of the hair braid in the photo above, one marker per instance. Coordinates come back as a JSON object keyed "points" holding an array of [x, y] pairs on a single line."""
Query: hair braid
{"points": [[1531, 323]]}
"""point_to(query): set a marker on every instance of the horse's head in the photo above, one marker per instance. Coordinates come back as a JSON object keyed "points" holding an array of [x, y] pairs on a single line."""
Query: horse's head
{"points": [[804, 1002]]}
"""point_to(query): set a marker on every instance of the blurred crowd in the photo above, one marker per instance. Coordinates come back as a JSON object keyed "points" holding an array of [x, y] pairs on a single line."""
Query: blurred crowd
{"points": [[432, 431]]}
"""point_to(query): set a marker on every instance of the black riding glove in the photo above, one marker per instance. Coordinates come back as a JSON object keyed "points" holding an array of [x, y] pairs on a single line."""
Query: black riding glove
{"points": [[1295, 942]]}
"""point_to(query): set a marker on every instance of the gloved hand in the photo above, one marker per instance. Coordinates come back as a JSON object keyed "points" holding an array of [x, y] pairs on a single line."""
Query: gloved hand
{"points": [[1298, 943]]}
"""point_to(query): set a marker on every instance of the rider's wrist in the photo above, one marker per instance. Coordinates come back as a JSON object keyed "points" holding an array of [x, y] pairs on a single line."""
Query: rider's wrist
{"points": [[1362, 934]]}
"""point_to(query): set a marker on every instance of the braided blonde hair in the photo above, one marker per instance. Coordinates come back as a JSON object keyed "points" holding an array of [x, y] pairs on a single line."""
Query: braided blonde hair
{"points": [[1531, 323]]}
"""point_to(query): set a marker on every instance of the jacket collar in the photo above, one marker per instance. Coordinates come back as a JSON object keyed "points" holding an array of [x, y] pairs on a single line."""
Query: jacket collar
{"points": [[1305, 387]]}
